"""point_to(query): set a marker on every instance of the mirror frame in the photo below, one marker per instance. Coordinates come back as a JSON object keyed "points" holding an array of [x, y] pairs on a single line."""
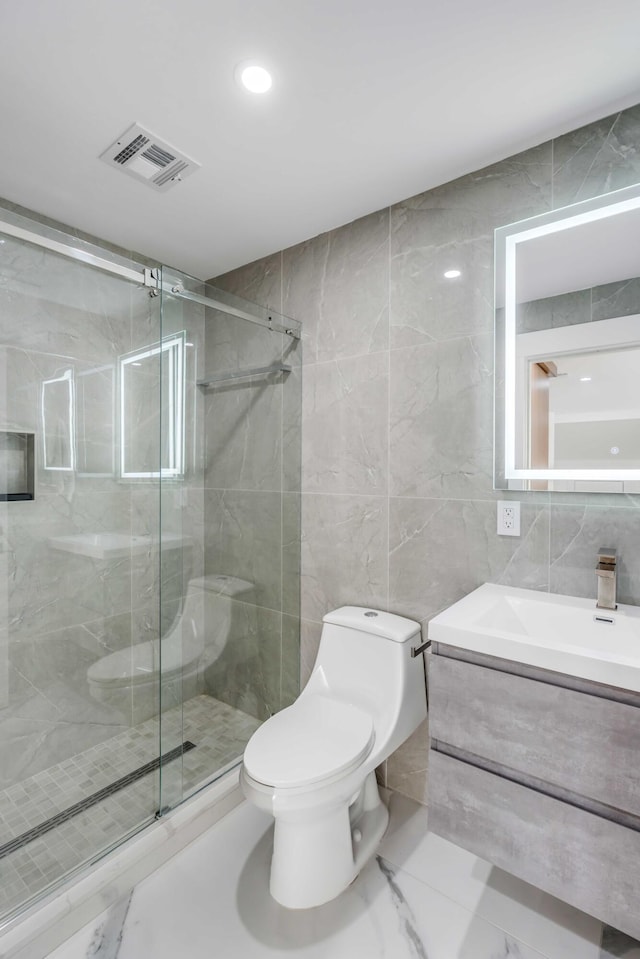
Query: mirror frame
{"points": [[507, 239]]}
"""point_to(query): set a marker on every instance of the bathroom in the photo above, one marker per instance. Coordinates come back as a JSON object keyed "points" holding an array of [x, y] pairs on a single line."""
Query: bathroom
{"points": [[381, 493]]}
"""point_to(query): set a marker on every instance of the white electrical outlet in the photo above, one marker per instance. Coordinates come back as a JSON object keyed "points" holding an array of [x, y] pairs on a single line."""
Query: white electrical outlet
{"points": [[508, 518]]}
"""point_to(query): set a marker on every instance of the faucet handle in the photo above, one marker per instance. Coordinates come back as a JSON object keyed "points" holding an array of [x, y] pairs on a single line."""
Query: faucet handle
{"points": [[606, 556]]}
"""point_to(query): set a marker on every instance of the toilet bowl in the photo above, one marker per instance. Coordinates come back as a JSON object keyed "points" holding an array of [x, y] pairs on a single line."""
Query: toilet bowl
{"points": [[132, 678], [312, 765]]}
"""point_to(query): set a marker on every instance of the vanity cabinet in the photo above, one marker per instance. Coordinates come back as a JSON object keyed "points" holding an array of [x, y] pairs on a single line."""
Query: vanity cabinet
{"points": [[539, 773]]}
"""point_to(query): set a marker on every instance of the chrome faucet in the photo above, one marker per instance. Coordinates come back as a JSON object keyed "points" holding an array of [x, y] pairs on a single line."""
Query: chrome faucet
{"points": [[606, 573]]}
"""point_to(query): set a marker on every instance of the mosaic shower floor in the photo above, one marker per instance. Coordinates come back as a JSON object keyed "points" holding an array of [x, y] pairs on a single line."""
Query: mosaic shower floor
{"points": [[219, 733]]}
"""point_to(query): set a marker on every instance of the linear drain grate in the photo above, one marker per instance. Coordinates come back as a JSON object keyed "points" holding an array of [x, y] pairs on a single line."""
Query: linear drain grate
{"points": [[44, 827]]}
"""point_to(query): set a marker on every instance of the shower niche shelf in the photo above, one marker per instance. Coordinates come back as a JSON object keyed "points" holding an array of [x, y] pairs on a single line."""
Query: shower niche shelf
{"points": [[17, 466]]}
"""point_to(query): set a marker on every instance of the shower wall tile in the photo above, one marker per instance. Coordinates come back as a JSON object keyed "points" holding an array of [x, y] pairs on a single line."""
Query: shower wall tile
{"points": [[344, 425], [252, 443], [247, 675], [577, 533], [597, 158], [290, 661], [71, 327], [292, 421], [291, 530], [106, 634], [243, 426], [260, 282], [337, 285], [344, 553], [242, 537], [441, 419], [233, 344], [147, 319], [51, 588]]}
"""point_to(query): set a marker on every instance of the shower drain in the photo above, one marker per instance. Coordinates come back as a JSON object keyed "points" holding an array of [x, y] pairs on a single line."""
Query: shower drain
{"points": [[44, 827]]}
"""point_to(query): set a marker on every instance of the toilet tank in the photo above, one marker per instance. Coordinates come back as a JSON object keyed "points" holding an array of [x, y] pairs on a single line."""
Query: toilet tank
{"points": [[365, 658], [209, 609]]}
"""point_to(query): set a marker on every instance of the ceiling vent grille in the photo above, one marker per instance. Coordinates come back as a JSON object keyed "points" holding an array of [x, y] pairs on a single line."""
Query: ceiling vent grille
{"points": [[146, 157]]}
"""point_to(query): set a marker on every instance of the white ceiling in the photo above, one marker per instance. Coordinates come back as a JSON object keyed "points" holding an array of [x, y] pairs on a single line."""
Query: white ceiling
{"points": [[373, 101]]}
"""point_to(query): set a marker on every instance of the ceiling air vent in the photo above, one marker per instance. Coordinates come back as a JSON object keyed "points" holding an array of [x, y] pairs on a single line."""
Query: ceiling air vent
{"points": [[148, 158]]}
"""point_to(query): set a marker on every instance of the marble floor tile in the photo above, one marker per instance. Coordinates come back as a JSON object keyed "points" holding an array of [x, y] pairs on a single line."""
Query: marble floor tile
{"points": [[525, 912], [212, 899]]}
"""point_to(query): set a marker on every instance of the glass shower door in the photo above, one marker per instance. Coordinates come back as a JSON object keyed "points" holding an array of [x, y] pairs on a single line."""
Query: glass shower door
{"points": [[79, 591]]}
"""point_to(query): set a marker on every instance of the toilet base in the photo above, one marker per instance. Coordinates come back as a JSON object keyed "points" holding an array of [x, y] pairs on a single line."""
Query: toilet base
{"points": [[318, 852]]}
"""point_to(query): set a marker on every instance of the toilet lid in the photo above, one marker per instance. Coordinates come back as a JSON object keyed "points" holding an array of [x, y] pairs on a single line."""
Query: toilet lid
{"points": [[314, 739]]}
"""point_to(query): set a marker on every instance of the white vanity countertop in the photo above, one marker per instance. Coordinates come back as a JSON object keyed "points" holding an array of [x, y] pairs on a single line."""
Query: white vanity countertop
{"points": [[566, 634]]}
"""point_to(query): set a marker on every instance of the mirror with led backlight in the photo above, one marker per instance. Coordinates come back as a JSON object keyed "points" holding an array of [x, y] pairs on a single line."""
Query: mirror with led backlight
{"points": [[568, 348]]}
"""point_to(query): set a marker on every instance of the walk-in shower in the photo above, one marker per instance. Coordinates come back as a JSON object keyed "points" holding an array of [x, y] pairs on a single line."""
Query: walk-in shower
{"points": [[149, 544]]}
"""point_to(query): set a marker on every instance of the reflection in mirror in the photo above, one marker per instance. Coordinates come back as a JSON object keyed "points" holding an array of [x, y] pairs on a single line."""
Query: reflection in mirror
{"points": [[57, 415], [152, 434], [568, 320], [95, 398]]}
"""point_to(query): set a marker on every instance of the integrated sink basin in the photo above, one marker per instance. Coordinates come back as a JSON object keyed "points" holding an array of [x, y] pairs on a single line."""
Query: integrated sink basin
{"points": [[566, 634], [115, 545]]}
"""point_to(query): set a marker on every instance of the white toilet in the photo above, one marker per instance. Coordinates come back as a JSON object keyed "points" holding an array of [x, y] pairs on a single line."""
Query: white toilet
{"points": [[129, 679], [312, 765]]}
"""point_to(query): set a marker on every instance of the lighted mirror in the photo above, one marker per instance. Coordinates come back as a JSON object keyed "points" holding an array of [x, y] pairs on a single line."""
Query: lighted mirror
{"points": [[568, 348], [57, 405], [152, 433]]}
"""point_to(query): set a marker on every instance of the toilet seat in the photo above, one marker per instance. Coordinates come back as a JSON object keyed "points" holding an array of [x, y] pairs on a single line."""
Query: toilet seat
{"points": [[315, 739], [137, 664]]}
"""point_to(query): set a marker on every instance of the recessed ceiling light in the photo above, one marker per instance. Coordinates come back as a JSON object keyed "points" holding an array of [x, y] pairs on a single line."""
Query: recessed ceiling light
{"points": [[585, 379], [254, 78], [452, 274]]}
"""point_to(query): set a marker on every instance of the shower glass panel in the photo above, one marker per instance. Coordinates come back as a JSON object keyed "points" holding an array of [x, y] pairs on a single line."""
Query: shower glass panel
{"points": [[79, 582], [149, 544], [234, 517]]}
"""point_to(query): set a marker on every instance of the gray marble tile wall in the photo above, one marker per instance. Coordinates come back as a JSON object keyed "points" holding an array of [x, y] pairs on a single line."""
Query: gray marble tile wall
{"points": [[397, 501], [252, 503]]}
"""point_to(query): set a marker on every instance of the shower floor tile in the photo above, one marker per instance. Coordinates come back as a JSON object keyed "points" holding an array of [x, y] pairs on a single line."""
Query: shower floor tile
{"points": [[219, 733]]}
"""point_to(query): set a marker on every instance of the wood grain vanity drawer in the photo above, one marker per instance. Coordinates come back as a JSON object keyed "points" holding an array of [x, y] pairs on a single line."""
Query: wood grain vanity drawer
{"points": [[590, 862], [581, 742]]}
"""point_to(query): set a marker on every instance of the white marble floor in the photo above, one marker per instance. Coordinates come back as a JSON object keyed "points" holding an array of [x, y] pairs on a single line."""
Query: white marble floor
{"points": [[420, 898]]}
